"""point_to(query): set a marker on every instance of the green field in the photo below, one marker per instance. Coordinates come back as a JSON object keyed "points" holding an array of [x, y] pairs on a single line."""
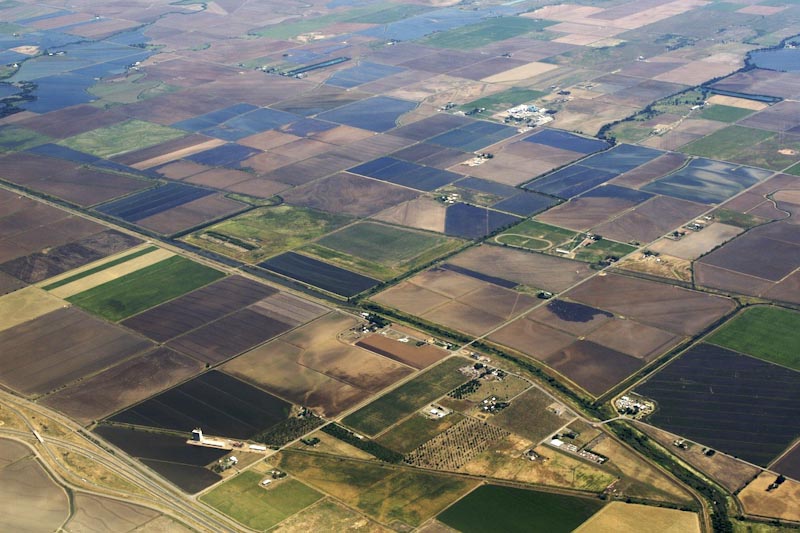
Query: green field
{"points": [[486, 32], [409, 434], [375, 12], [390, 14], [794, 170], [386, 494], [496, 508], [129, 89], [769, 333], [145, 288], [266, 231], [13, 138], [99, 268], [529, 417], [724, 113], [735, 218], [121, 138], [537, 236], [504, 99], [409, 397], [381, 251], [601, 249], [246, 501], [726, 144], [775, 153]]}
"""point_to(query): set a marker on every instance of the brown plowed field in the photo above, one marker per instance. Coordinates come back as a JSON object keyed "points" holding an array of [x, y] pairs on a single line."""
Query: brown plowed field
{"points": [[532, 338], [60, 347], [349, 194], [191, 214], [73, 120], [531, 269], [150, 154], [77, 184], [123, 385], [421, 213], [40, 266], [405, 352], [197, 308], [634, 339], [720, 278], [312, 367], [674, 309], [577, 326], [593, 367], [650, 220], [95, 513], [221, 340], [581, 214], [780, 503]]}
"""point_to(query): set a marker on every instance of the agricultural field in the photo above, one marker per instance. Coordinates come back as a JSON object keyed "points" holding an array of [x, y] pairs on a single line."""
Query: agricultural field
{"points": [[403, 350], [325, 276], [487, 32], [60, 347], [26, 304], [516, 509], [533, 415], [769, 333], [776, 503], [144, 288], [412, 395], [120, 138], [380, 251], [395, 497], [266, 231], [328, 515], [504, 99], [456, 446], [533, 235], [415, 431], [312, 367], [218, 403], [618, 516], [245, 500], [745, 423]]}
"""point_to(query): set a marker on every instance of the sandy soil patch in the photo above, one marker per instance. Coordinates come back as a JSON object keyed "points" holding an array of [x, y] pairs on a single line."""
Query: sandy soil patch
{"points": [[624, 517], [697, 243], [26, 49], [26, 304], [742, 103], [177, 154], [117, 271], [783, 502], [521, 73]]}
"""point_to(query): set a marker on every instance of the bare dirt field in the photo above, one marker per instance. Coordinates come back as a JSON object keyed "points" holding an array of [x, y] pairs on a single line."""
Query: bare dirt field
{"points": [[26, 304], [663, 266], [577, 319], [59, 347], [96, 514], [405, 352], [780, 503], [73, 120], [78, 184], [312, 367], [532, 338], [680, 311], [350, 194], [629, 518], [421, 213], [29, 499], [732, 474], [531, 269], [123, 385], [634, 339], [695, 244], [191, 214], [581, 214], [650, 220]]}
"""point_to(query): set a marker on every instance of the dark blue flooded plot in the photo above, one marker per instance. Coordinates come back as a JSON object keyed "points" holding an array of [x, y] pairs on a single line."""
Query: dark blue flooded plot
{"points": [[214, 118], [737, 404], [570, 181], [228, 155], [406, 173], [474, 136], [57, 92], [365, 72], [707, 182], [472, 222], [526, 203], [619, 193], [77, 56], [323, 275], [575, 312], [479, 275], [379, 113], [153, 201], [7, 57], [784, 60], [216, 402], [567, 141], [6, 89], [419, 26], [62, 152], [622, 158]]}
